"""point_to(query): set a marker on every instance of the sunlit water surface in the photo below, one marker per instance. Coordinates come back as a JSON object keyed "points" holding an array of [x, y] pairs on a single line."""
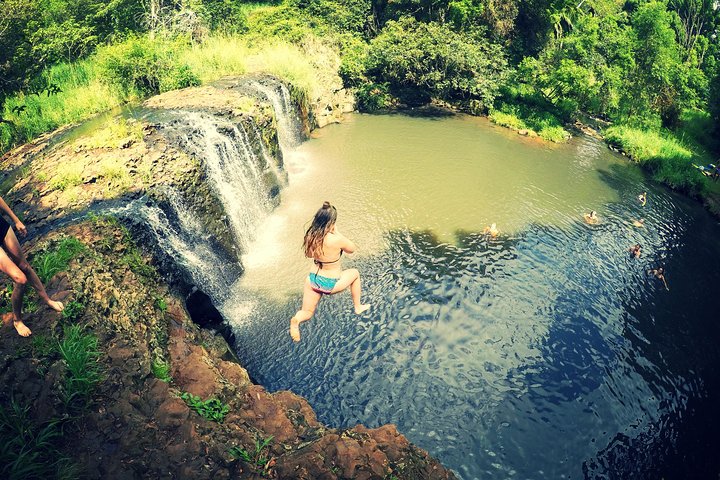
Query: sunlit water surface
{"points": [[544, 353]]}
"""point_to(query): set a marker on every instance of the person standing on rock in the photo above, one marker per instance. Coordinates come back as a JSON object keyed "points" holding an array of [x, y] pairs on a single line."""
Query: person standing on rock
{"points": [[325, 245], [14, 264]]}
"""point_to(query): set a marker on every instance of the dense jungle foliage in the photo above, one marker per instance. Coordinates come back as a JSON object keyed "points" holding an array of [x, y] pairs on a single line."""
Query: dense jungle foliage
{"points": [[647, 66]]}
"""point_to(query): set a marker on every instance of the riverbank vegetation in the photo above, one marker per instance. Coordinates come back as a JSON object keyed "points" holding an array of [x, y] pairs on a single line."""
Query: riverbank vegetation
{"points": [[648, 68]]}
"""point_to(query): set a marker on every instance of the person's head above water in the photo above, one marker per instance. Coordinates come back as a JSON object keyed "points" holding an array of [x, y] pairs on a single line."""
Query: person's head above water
{"points": [[322, 223]]}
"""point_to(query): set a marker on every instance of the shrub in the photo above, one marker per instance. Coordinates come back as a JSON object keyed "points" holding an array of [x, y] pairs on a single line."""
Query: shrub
{"points": [[507, 119], [73, 310], [354, 54], [284, 22], [435, 61], [553, 134], [142, 66], [345, 15], [372, 97]]}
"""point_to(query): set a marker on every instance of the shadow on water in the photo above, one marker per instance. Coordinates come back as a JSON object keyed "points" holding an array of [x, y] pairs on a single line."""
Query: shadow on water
{"points": [[483, 350], [671, 337], [430, 112]]}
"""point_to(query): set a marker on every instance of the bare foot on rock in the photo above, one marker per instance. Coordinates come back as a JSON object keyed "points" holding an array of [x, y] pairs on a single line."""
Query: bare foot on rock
{"points": [[361, 308], [22, 329], [55, 305], [295, 329]]}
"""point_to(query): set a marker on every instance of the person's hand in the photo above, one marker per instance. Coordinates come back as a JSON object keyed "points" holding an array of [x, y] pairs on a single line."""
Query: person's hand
{"points": [[20, 227]]}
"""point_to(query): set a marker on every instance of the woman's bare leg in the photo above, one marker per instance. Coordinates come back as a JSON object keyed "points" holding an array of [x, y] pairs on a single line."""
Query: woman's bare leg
{"points": [[15, 252], [310, 301], [351, 278], [19, 279]]}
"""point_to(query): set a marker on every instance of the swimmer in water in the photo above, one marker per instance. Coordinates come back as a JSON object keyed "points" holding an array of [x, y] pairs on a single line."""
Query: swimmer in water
{"points": [[642, 198], [635, 250], [639, 223], [591, 218], [492, 230], [660, 274], [325, 245]]}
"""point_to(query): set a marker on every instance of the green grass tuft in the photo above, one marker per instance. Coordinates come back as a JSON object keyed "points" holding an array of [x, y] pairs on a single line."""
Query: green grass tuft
{"points": [[50, 262], [28, 450], [161, 370], [210, 409], [80, 352], [257, 459], [161, 304]]}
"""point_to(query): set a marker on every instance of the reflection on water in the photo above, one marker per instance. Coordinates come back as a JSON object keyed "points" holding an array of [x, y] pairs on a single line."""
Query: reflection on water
{"points": [[544, 353]]}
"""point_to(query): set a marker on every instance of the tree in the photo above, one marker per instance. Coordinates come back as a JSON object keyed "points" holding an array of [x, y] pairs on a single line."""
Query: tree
{"points": [[423, 60]]}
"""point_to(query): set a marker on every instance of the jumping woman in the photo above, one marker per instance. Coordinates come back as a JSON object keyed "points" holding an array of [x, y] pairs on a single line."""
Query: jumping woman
{"points": [[14, 265], [325, 245]]}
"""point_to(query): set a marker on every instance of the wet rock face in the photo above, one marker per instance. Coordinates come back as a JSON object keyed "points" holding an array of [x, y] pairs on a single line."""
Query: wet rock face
{"points": [[202, 310]]}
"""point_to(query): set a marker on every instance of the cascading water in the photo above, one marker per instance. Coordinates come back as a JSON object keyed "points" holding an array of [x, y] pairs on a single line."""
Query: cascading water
{"points": [[286, 115], [243, 175], [176, 234]]}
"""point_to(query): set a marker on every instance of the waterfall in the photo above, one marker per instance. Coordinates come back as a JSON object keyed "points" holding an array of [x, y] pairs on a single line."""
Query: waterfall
{"points": [[242, 174], [286, 113], [180, 242], [240, 177]]}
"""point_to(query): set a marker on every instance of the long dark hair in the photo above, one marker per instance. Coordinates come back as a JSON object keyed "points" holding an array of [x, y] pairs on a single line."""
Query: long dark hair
{"points": [[322, 223]]}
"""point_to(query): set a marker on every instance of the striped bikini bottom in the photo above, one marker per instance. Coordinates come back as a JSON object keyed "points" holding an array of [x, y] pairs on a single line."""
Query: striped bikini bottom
{"points": [[322, 285]]}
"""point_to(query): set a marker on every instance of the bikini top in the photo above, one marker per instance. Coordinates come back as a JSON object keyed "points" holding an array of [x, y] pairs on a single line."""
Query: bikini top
{"points": [[321, 264]]}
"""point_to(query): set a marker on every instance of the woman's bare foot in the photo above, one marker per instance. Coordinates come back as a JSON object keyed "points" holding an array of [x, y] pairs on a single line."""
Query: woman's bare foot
{"points": [[361, 308], [55, 305], [295, 329], [22, 329]]}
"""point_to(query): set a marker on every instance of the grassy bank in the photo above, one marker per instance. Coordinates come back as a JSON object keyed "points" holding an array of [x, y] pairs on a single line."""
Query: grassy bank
{"points": [[667, 158], [542, 124], [140, 67]]}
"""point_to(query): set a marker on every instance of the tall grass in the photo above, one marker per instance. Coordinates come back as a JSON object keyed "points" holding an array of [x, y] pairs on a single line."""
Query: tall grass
{"points": [[28, 450], [696, 130], [82, 95], [140, 66], [520, 117], [669, 161], [80, 352], [217, 57]]}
